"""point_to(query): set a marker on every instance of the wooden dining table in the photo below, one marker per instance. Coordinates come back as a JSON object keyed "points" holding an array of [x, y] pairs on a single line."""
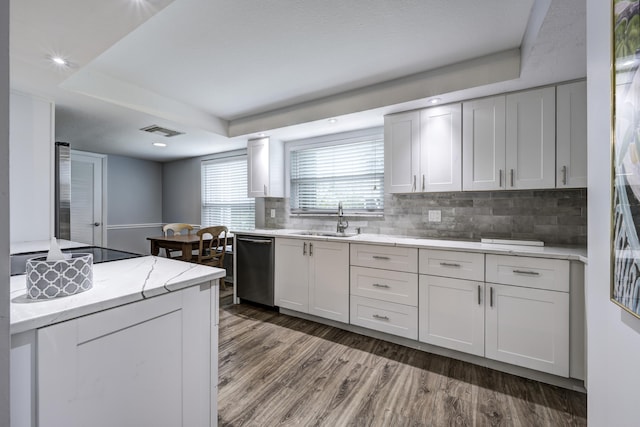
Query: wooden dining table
{"points": [[177, 242]]}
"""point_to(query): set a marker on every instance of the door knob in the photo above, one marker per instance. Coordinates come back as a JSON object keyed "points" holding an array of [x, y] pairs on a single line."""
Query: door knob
{"points": [[96, 224]]}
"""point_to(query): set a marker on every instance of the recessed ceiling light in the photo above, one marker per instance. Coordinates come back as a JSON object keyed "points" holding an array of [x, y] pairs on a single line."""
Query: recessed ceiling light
{"points": [[58, 60], [434, 101], [332, 120], [261, 135], [159, 144]]}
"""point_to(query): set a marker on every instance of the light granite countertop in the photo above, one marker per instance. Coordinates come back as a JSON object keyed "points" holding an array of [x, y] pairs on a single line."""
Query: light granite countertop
{"points": [[568, 253], [115, 283]]}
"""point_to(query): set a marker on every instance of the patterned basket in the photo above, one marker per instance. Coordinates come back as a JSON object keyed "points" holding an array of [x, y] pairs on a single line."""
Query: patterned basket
{"points": [[53, 279]]}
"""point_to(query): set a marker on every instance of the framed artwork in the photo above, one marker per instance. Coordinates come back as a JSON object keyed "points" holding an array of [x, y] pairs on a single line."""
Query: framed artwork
{"points": [[625, 251]]}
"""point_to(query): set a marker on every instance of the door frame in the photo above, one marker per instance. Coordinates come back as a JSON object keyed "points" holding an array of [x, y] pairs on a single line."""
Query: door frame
{"points": [[103, 164]]}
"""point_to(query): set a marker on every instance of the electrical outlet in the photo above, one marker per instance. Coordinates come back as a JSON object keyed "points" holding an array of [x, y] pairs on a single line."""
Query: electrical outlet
{"points": [[435, 216], [273, 213]]}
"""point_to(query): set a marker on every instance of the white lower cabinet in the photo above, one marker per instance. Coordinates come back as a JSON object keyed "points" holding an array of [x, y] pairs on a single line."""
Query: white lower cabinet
{"points": [[528, 327], [451, 313], [312, 276], [150, 363], [384, 316]]}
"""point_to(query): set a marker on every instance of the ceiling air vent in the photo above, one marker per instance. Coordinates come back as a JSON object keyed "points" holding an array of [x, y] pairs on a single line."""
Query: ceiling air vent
{"points": [[160, 130]]}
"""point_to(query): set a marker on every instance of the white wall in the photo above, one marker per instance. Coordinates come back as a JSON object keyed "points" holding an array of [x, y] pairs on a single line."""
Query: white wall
{"points": [[4, 213], [31, 168], [613, 335]]}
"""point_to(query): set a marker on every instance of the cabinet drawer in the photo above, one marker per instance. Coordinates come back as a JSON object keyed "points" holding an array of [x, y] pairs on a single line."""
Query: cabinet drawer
{"points": [[459, 265], [539, 273], [392, 286], [385, 257], [395, 319]]}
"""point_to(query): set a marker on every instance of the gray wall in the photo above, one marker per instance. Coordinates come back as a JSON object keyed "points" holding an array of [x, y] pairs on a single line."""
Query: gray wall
{"points": [[181, 191], [134, 202], [4, 213], [557, 217]]}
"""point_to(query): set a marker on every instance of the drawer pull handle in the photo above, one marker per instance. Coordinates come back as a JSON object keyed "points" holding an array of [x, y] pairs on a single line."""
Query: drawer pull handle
{"points": [[491, 296], [385, 258], [381, 285], [528, 272], [450, 264], [479, 302], [378, 317]]}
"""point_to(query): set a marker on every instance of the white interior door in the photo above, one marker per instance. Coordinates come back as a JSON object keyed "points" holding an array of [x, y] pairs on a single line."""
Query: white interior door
{"points": [[87, 214]]}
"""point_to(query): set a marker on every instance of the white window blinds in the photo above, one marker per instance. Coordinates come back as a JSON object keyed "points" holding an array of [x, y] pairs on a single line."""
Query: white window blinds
{"points": [[224, 194], [351, 173]]}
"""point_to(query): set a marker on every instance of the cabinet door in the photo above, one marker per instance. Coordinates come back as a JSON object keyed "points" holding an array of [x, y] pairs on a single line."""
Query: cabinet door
{"points": [[110, 368], [451, 313], [329, 280], [292, 274], [258, 167], [441, 149], [571, 143], [531, 139], [401, 152], [528, 327], [483, 144]]}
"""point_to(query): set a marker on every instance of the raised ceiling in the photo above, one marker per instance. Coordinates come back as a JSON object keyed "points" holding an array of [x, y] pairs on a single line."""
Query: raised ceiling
{"points": [[223, 70]]}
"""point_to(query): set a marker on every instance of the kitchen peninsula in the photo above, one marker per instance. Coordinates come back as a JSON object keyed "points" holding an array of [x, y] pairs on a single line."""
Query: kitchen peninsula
{"points": [[139, 348]]}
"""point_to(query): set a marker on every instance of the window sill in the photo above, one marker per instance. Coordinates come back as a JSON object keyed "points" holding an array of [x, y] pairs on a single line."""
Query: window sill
{"points": [[333, 215]]}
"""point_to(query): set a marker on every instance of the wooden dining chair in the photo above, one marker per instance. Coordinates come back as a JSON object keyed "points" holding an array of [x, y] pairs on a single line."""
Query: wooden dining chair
{"points": [[213, 246], [175, 228]]}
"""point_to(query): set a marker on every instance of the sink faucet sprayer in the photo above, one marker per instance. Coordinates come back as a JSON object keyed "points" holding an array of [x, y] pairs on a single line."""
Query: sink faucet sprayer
{"points": [[343, 224]]}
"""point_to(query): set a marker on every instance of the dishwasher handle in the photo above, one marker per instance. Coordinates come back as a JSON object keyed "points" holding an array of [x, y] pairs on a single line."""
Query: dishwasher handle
{"points": [[259, 241]]}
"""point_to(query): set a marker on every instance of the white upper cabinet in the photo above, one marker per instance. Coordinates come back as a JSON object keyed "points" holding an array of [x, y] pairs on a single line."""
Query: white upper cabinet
{"points": [[423, 150], [401, 152], [483, 144], [265, 168], [509, 141], [571, 142], [531, 135], [440, 148]]}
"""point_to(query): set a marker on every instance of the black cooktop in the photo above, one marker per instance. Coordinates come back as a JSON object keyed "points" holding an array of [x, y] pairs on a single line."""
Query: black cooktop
{"points": [[19, 261]]}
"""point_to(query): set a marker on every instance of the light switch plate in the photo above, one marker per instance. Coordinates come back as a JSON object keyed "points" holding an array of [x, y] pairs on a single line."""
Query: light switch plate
{"points": [[273, 213], [435, 216]]}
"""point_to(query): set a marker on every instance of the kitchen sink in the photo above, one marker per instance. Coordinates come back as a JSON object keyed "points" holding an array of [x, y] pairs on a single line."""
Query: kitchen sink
{"points": [[323, 233]]}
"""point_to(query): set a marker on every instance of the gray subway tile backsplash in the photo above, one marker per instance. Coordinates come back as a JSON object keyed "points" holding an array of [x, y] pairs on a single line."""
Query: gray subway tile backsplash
{"points": [[557, 217]]}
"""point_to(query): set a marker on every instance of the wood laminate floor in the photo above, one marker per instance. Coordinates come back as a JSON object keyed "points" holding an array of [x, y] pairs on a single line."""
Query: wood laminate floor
{"points": [[278, 370]]}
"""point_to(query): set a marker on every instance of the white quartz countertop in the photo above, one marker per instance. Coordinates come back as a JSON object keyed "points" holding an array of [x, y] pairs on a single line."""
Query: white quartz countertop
{"points": [[568, 253], [115, 283]]}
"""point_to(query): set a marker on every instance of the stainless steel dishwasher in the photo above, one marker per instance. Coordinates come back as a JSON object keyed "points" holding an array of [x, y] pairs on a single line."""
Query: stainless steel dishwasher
{"points": [[254, 268]]}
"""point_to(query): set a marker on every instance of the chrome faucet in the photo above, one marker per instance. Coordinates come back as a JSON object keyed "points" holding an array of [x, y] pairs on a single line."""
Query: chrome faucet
{"points": [[343, 224]]}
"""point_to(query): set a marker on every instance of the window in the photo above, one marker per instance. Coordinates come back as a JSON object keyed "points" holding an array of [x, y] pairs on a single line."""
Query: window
{"points": [[224, 194], [349, 170]]}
